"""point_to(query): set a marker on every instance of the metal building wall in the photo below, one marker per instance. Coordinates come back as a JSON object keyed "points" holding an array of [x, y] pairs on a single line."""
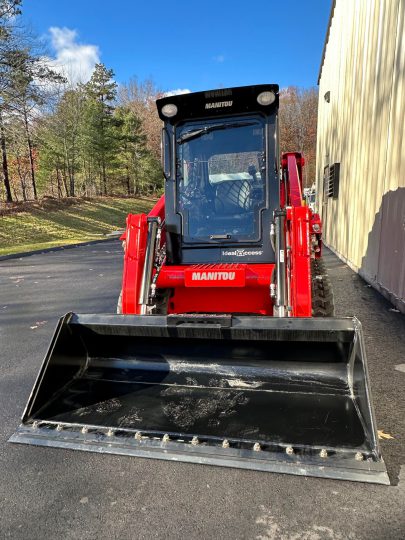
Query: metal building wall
{"points": [[362, 128]]}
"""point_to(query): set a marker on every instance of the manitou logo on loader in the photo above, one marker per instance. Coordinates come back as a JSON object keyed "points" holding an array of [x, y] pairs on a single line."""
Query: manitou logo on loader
{"points": [[218, 104], [216, 276]]}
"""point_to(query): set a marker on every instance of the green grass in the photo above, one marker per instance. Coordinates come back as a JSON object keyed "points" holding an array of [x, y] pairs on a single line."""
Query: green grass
{"points": [[54, 223]]}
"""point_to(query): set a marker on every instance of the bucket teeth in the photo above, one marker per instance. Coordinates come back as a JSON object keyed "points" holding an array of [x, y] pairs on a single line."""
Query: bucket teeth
{"points": [[110, 432], [257, 447], [323, 453], [165, 438], [85, 429], [289, 450], [138, 436], [225, 444], [195, 441], [359, 456], [59, 427]]}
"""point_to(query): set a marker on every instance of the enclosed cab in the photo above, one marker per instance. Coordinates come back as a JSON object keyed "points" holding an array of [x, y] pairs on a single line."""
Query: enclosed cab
{"points": [[221, 168]]}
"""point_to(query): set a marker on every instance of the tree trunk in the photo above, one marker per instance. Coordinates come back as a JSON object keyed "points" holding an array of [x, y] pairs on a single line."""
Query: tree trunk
{"points": [[136, 171], [30, 154], [59, 183], [104, 178], [128, 181], [9, 197], [52, 189], [136, 182], [71, 182], [22, 179], [64, 181], [71, 174]]}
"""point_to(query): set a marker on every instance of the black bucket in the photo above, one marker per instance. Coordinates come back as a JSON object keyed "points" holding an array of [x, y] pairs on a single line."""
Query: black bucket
{"points": [[285, 395]]}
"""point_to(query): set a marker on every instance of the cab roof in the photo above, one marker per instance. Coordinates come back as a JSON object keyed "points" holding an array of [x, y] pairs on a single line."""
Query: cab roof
{"points": [[218, 103]]}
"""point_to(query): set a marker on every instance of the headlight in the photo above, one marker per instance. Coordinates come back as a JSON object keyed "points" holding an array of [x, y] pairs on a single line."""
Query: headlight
{"points": [[169, 110], [266, 98]]}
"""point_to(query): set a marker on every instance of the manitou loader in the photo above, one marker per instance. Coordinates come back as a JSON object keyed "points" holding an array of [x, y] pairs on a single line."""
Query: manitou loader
{"points": [[225, 350]]}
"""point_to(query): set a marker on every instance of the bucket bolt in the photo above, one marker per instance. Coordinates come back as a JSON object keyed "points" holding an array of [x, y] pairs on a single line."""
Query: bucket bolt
{"points": [[225, 443], [165, 438], [138, 436], [289, 450], [359, 456], [257, 447], [323, 453]]}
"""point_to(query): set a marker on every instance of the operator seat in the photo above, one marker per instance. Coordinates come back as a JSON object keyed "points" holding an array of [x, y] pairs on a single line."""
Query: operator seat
{"points": [[232, 197]]}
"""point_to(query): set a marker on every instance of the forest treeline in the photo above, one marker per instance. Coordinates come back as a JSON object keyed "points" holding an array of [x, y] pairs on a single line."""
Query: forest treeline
{"points": [[96, 138]]}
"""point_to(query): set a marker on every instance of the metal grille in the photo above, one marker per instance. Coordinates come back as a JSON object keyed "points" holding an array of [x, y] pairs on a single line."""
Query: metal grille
{"points": [[331, 176]]}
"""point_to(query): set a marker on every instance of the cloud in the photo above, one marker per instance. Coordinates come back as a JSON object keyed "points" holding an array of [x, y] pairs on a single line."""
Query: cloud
{"points": [[177, 91], [220, 58], [74, 60]]}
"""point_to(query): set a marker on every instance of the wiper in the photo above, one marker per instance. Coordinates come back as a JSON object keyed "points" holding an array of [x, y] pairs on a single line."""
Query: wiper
{"points": [[194, 133]]}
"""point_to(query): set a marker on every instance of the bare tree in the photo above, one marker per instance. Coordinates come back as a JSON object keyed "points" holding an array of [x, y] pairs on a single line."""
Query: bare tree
{"points": [[298, 121], [140, 98]]}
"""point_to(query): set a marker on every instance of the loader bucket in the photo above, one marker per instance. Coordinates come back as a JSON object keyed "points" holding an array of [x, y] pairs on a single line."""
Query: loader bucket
{"points": [[286, 395]]}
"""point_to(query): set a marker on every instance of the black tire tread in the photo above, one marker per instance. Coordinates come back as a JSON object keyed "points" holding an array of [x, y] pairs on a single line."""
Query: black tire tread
{"points": [[322, 293]]}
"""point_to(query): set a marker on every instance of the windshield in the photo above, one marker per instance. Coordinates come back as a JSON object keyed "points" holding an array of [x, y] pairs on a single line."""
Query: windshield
{"points": [[194, 133], [221, 179]]}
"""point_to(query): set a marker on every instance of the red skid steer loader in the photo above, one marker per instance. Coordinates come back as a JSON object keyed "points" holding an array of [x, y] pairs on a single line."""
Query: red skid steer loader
{"points": [[224, 350]]}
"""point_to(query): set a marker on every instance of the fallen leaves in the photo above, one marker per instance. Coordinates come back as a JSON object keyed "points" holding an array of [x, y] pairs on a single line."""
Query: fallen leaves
{"points": [[38, 324], [384, 436]]}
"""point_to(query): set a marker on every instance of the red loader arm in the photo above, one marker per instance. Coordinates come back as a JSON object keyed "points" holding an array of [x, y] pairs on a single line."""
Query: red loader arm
{"points": [[135, 241], [297, 236]]}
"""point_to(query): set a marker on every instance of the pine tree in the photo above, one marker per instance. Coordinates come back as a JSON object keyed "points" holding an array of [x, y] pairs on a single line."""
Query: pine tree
{"points": [[131, 146], [69, 114], [99, 140]]}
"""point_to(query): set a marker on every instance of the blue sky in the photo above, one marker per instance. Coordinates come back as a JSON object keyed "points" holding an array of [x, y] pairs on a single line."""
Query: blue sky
{"points": [[186, 44]]}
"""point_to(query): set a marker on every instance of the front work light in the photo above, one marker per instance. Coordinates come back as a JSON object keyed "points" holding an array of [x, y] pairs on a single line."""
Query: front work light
{"points": [[169, 110], [266, 98]]}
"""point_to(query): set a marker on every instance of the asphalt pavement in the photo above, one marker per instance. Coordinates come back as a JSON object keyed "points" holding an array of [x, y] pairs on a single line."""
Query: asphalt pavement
{"points": [[48, 493]]}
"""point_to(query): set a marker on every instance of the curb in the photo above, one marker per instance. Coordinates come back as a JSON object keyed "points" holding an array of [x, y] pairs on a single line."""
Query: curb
{"points": [[56, 248]]}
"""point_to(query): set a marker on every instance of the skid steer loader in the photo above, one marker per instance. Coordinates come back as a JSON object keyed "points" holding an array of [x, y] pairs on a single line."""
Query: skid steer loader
{"points": [[225, 350]]}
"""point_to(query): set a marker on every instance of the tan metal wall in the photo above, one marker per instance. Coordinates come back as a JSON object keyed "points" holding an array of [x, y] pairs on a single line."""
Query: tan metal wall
{"points": [[362, 128]]}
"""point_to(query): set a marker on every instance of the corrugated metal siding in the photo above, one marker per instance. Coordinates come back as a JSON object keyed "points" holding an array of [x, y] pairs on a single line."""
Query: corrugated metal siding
{"points": [[362, 128]]}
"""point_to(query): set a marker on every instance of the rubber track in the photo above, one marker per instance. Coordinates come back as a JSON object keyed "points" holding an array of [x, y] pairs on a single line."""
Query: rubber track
{"points": [[322, 293]]}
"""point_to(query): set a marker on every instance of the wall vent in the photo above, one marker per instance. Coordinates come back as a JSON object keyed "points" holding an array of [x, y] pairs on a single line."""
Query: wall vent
{"points": [[331, 177]]}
